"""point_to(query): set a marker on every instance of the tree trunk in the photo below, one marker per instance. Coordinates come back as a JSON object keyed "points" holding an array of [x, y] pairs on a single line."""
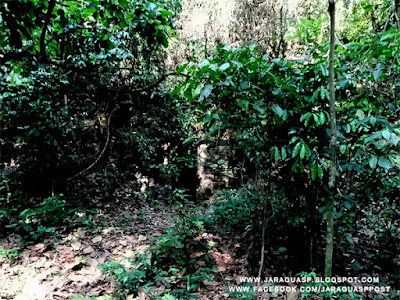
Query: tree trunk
{"points": [[332, 146], [397, 12]]}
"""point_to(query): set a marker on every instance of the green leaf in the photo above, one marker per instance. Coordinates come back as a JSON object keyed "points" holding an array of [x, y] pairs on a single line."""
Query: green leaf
{"points": [[189, 140], [244, 104], [279, 111], [314, 171], [347, 204], [322, 118], [206, 92], [259, 108], [277, 154], [342, 149], [324, 70], [372, 162], [284, 154], [196, 91], [181, 68], [296, 149], [204, 63], [316, 119], [386, 36], [377, 73], [296, 163], [303, 117], [324, 93], [385, 163], [386, 134], [320, 173], [350, 239], [123, 3], [373, 136], [302, 151], [372, 120], [308, 119], [150, 6], [224, 67], [295, 138], [360, 114]]}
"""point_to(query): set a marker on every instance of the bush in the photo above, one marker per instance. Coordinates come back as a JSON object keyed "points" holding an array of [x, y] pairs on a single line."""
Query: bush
{"points": [[234, 210], [170, 263]]}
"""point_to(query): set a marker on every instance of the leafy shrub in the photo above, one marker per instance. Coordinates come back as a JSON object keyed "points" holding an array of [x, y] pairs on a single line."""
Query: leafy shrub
{"points": [[10, 254], [234, 211], [49, 218], [171, 262]]}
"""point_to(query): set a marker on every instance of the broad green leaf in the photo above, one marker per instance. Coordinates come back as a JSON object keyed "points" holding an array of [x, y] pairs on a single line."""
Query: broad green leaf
{"points": [[324, 93], [314, 171], [296, 164], [316, 119], [150, 6], [373, 136], [342, 149], [189, 140], [196, 91], [372, 120], [322, 118], [278, 110], [347, 204], [302, 151], [283, 152], [360, 114], [377, 73], [324, 70], [303, 117], [204, 63], [224, 67], [206, 92], [296, 149], [384, 163], [386, 36], [181, 68], [372, 162], [277, 154], [308, 119], [386, 134], [394, 139], [259, 108], [244, 104], [320, 173]]}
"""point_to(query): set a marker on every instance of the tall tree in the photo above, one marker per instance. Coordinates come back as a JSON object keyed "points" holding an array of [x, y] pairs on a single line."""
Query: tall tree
{"points": [[332, 146]]}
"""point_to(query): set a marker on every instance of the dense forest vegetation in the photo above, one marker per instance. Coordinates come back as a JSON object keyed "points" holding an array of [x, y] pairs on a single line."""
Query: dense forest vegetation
{"points": [[164, 149]]}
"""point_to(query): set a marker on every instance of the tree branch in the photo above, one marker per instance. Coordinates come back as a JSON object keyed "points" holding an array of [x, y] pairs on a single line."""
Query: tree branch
{"points": [[52, 3], [102, 151]]}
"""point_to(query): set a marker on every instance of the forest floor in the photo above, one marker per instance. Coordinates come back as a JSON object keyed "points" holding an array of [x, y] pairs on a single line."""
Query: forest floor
{"points": [[67, 265]]}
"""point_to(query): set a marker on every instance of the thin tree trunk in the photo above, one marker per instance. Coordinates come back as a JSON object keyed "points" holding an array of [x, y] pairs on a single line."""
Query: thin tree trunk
{"points": [[332, 146], [397, 12]]}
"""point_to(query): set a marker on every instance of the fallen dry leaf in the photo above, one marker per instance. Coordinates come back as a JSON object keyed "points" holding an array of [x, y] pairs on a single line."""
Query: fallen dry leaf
{"points": [[142, 238], [97, 239], [76, 245], [196, 254], [88, 250]]}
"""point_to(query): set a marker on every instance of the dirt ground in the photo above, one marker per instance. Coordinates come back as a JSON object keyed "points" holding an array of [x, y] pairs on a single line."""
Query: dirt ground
{"points": [[66, 266]]}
